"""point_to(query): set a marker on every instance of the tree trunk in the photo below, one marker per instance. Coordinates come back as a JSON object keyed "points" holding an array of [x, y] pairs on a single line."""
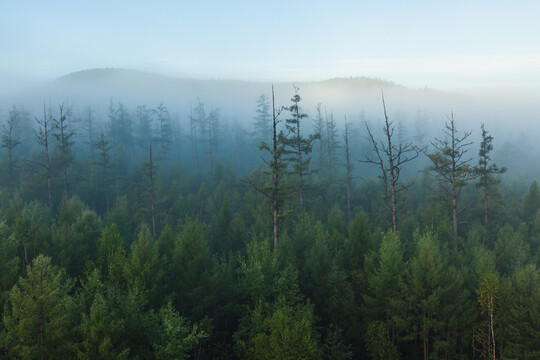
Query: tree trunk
{"points": [[151, 174], [300, 170], [275, 178]]}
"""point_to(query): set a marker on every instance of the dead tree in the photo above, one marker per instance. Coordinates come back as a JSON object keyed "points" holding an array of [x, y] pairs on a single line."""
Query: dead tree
{"points": [[43, 137], [274, 189], [450, 171], [390, 158], [348, 168], [10, 142]]}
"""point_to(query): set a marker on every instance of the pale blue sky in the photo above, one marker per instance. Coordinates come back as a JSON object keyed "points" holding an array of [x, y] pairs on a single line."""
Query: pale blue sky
{"points": [[449, 45]]}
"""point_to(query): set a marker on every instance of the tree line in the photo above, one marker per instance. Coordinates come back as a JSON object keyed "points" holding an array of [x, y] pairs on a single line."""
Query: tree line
{"points": [[135, 238]]}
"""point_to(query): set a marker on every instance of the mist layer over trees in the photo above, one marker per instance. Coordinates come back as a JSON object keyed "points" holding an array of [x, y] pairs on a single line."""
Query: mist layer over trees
{"points": [[141, 230]]}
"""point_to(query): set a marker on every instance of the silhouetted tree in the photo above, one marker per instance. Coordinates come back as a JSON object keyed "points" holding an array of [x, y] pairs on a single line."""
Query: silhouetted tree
{"points": [[390, 159], [449, 169], [274, 190], [299, 144], [485, 171], [10, 142], [43, 138], [63, 145]]}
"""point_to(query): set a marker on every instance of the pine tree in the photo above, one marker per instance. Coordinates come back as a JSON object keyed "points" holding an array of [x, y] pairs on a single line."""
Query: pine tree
{"points": [[263, 121], [38, 317], [274, 189], [104, 163], [164, 131], [299, 145], [450, 170], [487, 172], [64, 144]]}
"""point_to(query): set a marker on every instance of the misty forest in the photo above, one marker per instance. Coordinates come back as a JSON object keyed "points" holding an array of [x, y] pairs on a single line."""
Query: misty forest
{"points": [[299, 230]]}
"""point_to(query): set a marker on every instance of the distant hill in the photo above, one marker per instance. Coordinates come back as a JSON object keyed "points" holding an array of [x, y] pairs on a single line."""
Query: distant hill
{"points": [[235, 98]]}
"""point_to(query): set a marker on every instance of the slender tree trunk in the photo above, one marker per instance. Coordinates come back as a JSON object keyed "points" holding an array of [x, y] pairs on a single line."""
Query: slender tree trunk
{"points": [[349, 171], [47, 162], [151, 174], [300, 170], [454, 195], [486, 194], [41, 318], [275, 175], [392, 168]]}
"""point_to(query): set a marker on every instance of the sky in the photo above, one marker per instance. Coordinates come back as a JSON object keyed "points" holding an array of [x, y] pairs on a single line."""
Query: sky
{"points": [[468, 46]]}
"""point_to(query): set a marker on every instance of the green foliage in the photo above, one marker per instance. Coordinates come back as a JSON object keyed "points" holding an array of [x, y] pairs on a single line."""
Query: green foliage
{"points": [[378, 345], [385, 298], [142, 270], [177, 337], [38, 315], [286, 334]]}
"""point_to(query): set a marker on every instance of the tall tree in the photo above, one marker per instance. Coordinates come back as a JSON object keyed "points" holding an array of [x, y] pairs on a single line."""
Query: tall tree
{"points": [[299, 144], [89, 126], [214, 124], [104, 163], [331, 140], [485, 171], [274, 190], [148, 171], [43, 137], [263, 120], [348, 168], [450, 170], [63, 144], [10, 142], [164, 132], [319, 129], [390, 159], [144, 126]]}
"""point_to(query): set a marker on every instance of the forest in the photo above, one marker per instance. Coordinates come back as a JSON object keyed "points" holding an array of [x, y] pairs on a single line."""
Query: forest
{"points": [[145, 234]]}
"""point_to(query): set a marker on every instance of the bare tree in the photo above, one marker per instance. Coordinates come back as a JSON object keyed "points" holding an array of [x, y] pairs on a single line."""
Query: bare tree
{"points": [[43, 137], [390, 159], [450, 169], [10, 142], [348, 168]]}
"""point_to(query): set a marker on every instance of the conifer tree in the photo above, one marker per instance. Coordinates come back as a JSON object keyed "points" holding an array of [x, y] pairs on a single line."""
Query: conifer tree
{"points": [[263, 121], [486, 171], [274, 189], [64, 144], [104, 163], [38, 319], [450, 169], [299, 144]]}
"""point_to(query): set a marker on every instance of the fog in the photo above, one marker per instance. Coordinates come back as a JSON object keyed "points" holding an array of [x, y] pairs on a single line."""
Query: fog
{"points": [[420, 114]]}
